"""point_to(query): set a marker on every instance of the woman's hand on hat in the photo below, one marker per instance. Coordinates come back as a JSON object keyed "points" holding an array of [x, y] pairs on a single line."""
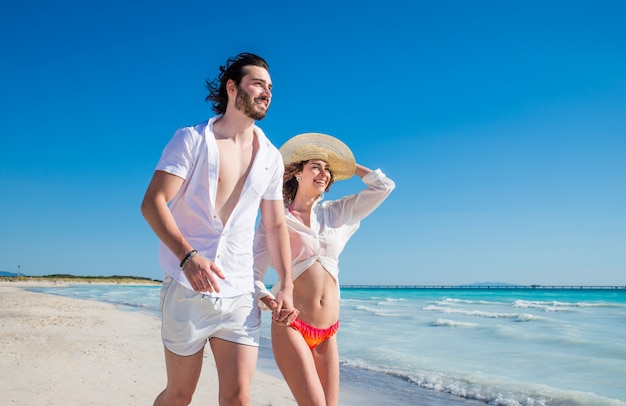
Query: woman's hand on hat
{"points": [[361, 170]]}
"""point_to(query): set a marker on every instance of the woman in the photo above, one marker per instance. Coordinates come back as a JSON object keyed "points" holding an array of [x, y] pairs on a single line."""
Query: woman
{"points": [[306, 351]]}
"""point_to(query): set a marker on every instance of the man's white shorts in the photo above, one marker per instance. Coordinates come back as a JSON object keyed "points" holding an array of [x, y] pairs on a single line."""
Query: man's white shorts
{"points": [[191, 318]]}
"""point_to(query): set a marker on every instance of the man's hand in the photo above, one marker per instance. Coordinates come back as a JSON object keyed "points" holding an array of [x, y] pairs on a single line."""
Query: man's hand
{"points": [[201, 274]]}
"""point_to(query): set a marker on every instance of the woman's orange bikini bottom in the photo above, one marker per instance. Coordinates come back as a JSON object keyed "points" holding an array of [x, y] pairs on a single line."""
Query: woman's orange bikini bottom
{"points": [[312, 335]]}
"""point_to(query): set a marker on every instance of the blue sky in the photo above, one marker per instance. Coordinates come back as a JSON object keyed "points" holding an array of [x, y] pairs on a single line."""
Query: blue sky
{"points": [[503, 125]]}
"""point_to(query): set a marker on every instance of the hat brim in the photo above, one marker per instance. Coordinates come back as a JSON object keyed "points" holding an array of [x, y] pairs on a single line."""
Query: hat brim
{"points": [[307, 146]]}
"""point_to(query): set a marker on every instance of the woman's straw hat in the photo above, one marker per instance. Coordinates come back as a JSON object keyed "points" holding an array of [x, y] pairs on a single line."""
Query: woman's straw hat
{"points": [[304, 147]]}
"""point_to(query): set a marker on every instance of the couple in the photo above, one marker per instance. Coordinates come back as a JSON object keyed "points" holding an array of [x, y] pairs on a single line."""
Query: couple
{"points": [[202, 203]]}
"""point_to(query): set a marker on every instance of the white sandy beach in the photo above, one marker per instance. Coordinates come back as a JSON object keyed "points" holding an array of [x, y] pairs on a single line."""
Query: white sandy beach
{"points": [[63, 351]]}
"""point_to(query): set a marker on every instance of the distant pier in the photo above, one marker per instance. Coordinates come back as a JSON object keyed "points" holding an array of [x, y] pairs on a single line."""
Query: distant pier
{"points": [[518, 287]]}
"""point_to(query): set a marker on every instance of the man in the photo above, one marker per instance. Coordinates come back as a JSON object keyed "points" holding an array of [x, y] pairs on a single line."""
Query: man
{"points": [[202, 203]]}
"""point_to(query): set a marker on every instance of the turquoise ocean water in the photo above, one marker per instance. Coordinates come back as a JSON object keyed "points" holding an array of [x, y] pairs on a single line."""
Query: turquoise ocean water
{"points": [[467, 346]]}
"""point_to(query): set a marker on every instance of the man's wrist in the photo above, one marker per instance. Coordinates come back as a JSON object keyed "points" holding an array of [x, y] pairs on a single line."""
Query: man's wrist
{"points": [[187, 258]]}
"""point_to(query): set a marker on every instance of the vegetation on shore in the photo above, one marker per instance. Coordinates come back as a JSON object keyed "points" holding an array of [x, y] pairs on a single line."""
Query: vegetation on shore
{"points": [[67, 278]]}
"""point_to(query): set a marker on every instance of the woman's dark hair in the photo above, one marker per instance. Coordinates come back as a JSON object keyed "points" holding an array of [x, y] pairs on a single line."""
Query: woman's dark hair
{"points": [[233, 70], [290, 184]]}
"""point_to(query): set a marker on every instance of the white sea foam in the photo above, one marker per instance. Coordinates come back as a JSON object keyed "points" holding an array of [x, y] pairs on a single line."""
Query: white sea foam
{"points": [[558, 306], [377, 311], [452, 301], [478, 313], [492, 390], [528, 317], [452, 323]]}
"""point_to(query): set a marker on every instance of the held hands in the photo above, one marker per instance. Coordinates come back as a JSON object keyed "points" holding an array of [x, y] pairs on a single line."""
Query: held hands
{"points": [[203, 274], [282, 309]]}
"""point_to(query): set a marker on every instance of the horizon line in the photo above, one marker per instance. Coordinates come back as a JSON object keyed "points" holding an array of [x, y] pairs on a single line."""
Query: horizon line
{"points": [[485, 286]]}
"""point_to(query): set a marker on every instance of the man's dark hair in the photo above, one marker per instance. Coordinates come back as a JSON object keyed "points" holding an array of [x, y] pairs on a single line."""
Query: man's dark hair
{"points": [[233, 70]]}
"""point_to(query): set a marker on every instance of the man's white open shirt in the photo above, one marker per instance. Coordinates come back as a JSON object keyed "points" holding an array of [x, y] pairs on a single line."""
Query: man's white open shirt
{"points": [[192, 154]]}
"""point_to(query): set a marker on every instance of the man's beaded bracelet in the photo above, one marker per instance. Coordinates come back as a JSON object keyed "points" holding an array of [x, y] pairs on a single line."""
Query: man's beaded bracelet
{"points": [[187, 258]]}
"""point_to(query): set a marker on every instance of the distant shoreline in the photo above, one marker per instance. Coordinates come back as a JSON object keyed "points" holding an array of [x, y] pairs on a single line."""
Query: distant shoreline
{"points": [[122, 279], [68, 279]]}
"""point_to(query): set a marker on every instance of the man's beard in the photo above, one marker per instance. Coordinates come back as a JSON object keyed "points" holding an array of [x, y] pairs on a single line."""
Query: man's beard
{"points": [[245, 104]]}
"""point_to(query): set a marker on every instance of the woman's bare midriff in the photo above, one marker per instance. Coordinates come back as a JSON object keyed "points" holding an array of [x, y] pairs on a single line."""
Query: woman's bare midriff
{"points": [[316, 297]]}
